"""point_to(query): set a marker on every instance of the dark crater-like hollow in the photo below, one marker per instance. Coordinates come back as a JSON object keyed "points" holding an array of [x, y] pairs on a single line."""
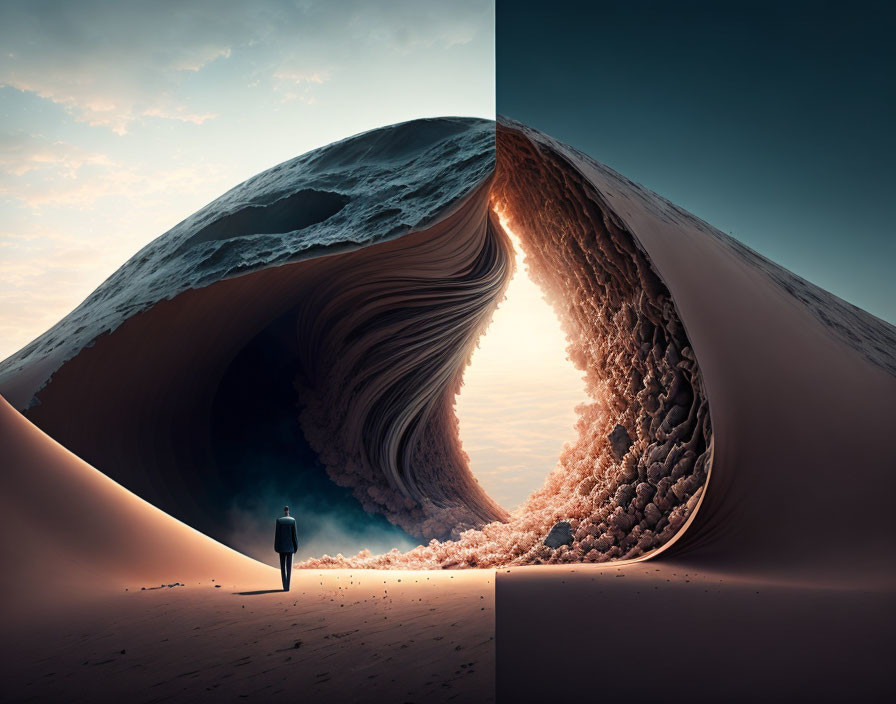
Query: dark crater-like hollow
{"points": [[288, 214]]}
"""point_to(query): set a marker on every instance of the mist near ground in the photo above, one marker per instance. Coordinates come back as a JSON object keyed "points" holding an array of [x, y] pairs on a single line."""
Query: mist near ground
{"points": [[265, 463]]}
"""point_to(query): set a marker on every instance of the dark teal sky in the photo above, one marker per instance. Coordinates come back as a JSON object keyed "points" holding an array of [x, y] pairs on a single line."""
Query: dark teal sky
{"points": [[772, 121]]}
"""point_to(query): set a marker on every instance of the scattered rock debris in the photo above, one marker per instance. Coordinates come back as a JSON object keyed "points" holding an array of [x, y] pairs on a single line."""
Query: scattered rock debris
{"points": [[561, 534], [620, 442]]}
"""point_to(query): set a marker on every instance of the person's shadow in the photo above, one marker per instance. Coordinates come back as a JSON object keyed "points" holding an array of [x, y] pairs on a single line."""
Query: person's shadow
{"points": [[260, 591]]}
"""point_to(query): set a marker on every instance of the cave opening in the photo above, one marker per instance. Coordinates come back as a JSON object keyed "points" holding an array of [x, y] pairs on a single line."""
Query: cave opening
{"points": [[517, 406], [342, 407]]}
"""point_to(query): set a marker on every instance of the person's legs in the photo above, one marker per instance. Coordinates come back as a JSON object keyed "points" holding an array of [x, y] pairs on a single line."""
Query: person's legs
{"points": [[283, 574], [288, 569]]}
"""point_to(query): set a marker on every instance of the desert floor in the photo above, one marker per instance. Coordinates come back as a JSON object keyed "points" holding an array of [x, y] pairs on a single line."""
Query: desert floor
{"points": [[676, 631], [337, 636], [651, 631]]}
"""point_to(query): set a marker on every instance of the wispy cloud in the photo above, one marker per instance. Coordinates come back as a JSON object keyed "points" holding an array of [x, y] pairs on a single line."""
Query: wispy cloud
{"points": [[298, 84], [180, 114], [109, 66], [21, 153], [36, 172], [202, 56]]}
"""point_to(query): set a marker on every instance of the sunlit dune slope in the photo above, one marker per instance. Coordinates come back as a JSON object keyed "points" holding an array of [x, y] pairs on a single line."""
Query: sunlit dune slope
{"points": [[69, 531]]}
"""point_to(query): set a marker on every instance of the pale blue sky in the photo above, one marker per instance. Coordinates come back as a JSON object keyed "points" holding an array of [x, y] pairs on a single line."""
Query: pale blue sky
{"points": [[119, 119]]}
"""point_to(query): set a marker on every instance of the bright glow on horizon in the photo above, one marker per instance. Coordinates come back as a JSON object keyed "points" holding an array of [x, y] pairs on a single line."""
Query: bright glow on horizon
{"points": [[517, 405]]}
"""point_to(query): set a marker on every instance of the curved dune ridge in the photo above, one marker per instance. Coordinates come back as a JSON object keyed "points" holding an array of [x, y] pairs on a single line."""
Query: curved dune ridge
{"points": [[719, 381]]}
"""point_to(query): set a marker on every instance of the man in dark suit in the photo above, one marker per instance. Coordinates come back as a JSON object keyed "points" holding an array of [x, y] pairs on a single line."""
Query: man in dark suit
{"points": [[286, 542]]}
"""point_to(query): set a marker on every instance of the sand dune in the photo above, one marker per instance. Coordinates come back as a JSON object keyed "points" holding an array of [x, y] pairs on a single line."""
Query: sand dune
{"points": [[71, 533]]}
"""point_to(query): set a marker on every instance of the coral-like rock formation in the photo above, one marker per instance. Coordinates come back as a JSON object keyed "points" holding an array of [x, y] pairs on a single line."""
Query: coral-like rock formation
{"points": [[641, 372]]}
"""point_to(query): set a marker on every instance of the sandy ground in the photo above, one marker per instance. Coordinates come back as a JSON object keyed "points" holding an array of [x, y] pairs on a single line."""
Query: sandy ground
{"points": [[665, 631], [78, 626], [649, 631], [77, 548], [337, 636]]}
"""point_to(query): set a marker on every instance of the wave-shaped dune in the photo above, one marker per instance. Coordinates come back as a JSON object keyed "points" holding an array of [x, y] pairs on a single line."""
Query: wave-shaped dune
{"points": [[733, 402]]}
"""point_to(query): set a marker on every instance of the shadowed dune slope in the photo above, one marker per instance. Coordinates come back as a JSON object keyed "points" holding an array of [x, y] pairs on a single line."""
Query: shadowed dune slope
{"points": [[800, 384]]}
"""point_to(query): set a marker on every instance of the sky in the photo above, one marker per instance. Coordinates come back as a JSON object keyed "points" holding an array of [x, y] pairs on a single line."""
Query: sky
{"points": [[120, 119], [773, 121]]}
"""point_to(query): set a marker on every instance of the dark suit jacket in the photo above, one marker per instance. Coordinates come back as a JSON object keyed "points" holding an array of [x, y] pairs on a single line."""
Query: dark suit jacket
{"points": [[286, 539]]}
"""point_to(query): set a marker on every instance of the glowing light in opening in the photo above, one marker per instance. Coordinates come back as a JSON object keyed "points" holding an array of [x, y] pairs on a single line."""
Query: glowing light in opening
{"points": [[517, 405]]}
